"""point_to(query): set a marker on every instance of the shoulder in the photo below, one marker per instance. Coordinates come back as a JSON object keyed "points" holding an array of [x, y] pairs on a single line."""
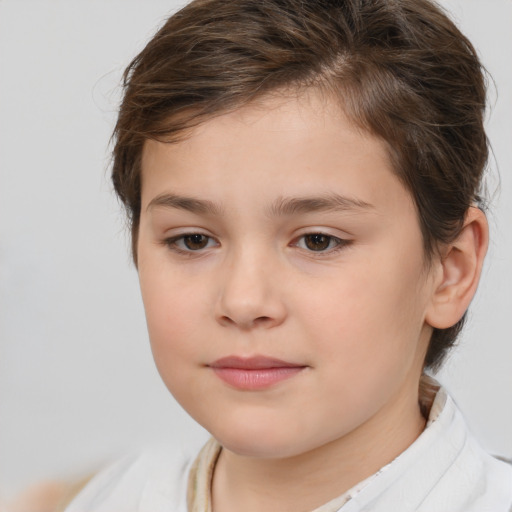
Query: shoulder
{"points": [[491, 479], [476, 482], [152, 481], [473, 481], [444, 470]]}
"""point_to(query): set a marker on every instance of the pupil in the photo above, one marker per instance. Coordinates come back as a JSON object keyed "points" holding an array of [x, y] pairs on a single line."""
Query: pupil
{"points": [[317, 242], [195, 242]]}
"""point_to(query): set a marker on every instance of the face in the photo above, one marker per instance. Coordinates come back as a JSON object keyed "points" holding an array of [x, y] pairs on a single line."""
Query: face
{"points": [[283, 277]]}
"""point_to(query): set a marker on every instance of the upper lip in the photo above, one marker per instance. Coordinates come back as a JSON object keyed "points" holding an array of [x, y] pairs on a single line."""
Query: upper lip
{"points": [[252, 363]]}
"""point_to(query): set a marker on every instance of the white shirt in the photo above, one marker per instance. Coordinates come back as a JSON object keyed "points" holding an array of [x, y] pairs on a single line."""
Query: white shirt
{"points": [[444, 470]]}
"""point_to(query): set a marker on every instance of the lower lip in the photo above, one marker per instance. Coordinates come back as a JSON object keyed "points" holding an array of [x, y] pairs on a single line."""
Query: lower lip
{"points": [[260, 378]]}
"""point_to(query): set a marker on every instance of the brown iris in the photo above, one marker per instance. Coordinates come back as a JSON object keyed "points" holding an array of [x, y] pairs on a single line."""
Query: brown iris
{"points": [[195, 242], [317, 241]]}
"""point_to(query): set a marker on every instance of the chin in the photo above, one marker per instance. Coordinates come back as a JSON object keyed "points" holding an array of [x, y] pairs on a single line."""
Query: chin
{"points": [[267, 440], [260, 447]]}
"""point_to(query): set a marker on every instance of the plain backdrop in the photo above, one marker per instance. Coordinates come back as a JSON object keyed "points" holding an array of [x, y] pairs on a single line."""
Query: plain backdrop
{"points": [[77, 382]]}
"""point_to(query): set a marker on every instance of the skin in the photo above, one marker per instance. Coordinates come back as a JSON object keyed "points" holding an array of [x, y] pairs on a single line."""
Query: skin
{"points": [[356, 316]]}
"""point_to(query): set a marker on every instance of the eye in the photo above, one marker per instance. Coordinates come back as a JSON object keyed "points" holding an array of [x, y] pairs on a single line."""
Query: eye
{"points": [[190, 242], [319, 242]]}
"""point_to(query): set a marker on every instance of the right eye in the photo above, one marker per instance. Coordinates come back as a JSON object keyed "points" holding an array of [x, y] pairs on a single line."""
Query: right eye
{"points": [[190, 242]]}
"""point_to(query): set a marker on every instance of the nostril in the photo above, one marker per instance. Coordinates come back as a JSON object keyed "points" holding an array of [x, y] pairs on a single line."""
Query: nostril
{"points": [[261, 319], [246, 323], [248, 306], [226, 320]]}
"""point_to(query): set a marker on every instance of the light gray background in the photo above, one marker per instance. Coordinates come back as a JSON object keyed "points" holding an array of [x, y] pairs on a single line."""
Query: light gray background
{"points": [[77, 382]]}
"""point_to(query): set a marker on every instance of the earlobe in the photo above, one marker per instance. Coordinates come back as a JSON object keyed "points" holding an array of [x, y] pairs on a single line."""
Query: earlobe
{"points": [[459, 272]]}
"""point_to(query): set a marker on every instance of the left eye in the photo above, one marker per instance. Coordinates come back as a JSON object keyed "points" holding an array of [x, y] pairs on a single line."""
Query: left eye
{"points": [[318, 242], [191, 242]]}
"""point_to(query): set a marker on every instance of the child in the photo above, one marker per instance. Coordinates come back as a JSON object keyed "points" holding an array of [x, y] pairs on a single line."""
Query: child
{"points": [[302, 183]]}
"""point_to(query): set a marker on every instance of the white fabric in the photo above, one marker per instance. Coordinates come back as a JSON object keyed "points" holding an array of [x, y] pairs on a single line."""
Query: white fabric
{"points": [[444, 470]]}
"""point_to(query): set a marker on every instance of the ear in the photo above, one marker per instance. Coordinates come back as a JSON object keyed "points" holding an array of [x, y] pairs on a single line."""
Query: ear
{"points": [[458, 272]]}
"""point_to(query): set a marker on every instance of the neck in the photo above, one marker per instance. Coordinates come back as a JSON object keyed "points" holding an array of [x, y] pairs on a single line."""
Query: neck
{"points": [[306, 481]]}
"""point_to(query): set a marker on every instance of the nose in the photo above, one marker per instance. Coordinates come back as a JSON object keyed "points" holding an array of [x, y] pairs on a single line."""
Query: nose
{"points": [[250, 293]]}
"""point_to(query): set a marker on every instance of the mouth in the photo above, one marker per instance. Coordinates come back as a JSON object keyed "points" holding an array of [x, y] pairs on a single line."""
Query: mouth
{"points": [[254, 373]]}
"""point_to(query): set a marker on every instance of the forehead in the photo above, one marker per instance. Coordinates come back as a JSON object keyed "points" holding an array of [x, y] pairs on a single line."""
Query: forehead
{"points": [[278, 143]]}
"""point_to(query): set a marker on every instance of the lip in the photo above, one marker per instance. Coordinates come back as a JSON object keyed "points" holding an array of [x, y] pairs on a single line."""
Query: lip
{"points": [[254, 373]]}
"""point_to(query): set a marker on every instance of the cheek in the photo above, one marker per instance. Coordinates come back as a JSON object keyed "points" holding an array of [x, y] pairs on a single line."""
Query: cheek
{"points": [[365, 338], [371, 317], [175, 312]]}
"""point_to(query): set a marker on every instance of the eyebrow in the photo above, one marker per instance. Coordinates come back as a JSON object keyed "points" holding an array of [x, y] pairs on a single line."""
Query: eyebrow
{"points": [[281, 207], [190, 204], [330, 202]]}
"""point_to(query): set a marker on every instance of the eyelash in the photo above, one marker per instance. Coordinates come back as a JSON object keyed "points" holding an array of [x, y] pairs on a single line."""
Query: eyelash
{"points": [[172, 243], [339, 243]]}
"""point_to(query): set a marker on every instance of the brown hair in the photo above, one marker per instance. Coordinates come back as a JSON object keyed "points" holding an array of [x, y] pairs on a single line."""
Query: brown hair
{"points": [[399, 68]]}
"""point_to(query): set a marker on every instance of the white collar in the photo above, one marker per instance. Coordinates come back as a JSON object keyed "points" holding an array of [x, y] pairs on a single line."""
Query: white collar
{"points": [[443, 470]]}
